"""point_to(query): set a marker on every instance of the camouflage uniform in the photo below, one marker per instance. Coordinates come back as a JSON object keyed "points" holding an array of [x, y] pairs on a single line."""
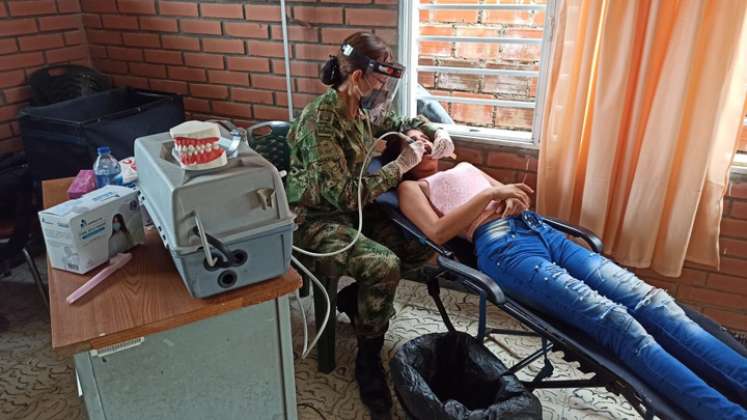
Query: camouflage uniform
{"points": [[327, 152]]}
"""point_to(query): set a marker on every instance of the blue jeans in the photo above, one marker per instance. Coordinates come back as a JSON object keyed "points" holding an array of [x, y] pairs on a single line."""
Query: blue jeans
{"points": [[642, 325]]}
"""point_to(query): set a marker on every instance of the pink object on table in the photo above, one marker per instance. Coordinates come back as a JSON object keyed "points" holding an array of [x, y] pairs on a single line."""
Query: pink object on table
{"points": [[83, 183], [117, 262]]}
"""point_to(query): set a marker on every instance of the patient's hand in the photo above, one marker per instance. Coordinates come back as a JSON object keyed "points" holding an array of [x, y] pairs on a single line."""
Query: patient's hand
{"points": [[512, 207]]}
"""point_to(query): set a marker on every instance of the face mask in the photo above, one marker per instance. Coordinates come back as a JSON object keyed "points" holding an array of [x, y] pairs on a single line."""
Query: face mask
{"points": [[116, 226]]}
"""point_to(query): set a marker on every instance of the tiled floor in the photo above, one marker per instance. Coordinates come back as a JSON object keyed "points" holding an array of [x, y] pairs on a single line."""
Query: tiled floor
{"points": [[37, 384]]}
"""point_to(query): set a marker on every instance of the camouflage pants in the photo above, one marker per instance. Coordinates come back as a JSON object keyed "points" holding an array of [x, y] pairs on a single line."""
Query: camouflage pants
{"points": [[376, 261]]}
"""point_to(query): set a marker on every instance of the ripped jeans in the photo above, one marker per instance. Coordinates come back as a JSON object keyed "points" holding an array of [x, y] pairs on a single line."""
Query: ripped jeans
{"points": [[642, 325]]}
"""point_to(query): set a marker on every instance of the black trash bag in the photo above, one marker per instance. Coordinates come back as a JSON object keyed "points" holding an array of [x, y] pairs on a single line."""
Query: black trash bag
{"points": [[450, 376]]}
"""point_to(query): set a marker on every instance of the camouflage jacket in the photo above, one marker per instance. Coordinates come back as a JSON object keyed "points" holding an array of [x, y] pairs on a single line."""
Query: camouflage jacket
{"points": [[327, 150]]}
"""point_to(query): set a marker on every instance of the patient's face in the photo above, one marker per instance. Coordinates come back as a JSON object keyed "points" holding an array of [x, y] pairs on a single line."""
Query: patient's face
{"points": [[427, 166]]}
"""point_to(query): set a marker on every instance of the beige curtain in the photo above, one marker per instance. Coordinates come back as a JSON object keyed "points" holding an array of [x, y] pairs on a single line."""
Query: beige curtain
{"points": [[642, 111]]}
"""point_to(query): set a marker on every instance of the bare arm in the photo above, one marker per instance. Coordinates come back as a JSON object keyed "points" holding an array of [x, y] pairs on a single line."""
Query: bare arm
{"points": [[440, 229]]}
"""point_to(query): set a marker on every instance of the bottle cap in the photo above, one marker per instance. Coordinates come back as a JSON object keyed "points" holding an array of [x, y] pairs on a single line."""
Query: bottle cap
{"points": [[103, 150]]}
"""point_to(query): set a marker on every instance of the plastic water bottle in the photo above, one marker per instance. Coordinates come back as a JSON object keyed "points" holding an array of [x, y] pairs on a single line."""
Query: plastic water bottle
{"points": [[106, 167]]}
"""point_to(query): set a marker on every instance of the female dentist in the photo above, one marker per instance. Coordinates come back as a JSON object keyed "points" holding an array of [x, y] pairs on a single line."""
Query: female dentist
{"points": [[329, 143]]}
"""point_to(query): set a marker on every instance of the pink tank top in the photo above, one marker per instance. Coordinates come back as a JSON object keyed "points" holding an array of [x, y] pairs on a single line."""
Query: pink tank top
{"points": [[453, 187]]}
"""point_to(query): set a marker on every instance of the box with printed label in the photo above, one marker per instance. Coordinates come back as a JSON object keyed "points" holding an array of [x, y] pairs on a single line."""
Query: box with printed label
{"points": [[83, 233]]}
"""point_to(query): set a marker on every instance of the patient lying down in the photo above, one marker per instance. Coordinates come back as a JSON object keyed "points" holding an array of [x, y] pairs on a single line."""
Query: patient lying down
{"points": [[540, 267]]}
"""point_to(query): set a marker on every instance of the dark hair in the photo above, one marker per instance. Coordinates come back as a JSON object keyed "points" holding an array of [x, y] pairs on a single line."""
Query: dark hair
{"points": [[392, 150], [339, 66]]}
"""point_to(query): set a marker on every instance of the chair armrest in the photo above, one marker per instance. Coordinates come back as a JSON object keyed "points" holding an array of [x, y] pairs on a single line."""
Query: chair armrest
{"points": [[588, 236], [400, 220], [475, 280]]}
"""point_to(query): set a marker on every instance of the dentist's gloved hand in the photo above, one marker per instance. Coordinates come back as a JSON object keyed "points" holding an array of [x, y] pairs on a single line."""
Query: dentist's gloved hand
{"points": [[412, 153], [442, 145]]}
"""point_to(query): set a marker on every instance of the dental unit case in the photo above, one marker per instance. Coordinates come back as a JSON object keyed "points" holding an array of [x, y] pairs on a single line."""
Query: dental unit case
{"points": [[224, 227]]}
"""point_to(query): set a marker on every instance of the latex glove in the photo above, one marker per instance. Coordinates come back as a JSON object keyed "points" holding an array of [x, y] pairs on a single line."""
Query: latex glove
{"points": [[442, 145], [412, 153]]}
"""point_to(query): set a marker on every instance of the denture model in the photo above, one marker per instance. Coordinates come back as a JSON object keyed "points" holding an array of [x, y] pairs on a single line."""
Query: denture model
{"points": [[196, 145]]}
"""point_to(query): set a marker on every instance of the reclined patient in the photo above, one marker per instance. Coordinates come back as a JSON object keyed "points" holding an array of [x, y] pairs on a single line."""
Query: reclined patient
{"points": [[539, 267]]}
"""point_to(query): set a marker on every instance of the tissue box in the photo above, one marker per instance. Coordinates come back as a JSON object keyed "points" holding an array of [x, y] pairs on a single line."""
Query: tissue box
{"points": [[83, 183], [83, 233]]}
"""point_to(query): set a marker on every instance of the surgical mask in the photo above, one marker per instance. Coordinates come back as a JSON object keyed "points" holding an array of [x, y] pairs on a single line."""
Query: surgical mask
{"points": [[116, 226]]}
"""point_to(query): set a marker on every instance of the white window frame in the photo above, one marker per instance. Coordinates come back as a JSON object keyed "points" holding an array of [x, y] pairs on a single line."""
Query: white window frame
{"points": [[409, 24]]}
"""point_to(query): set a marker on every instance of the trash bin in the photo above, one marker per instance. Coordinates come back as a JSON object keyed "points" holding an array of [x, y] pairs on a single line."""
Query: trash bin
{"points": [[454, 376], [60, 139]]}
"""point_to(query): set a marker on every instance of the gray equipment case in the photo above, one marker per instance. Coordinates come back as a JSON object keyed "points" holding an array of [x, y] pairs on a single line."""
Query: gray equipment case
{"points": [[239, 209]]}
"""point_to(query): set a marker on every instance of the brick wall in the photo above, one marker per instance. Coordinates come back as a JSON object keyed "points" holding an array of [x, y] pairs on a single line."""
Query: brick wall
{"points": [[226, 58], [33, 33], [493, 23]]}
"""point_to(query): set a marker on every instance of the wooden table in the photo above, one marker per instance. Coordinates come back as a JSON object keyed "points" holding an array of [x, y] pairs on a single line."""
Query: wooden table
{"points": [[144, 348]]}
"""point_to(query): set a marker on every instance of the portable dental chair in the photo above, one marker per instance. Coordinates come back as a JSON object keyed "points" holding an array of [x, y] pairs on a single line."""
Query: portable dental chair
{"points": [[457, 262]]}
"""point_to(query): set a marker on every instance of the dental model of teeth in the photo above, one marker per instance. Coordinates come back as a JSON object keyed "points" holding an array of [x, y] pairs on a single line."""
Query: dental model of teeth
{"points": [[196, 145]]}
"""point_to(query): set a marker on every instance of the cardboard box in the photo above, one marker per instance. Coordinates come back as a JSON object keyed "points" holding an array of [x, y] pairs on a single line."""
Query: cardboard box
{"points": [[84, 233]]}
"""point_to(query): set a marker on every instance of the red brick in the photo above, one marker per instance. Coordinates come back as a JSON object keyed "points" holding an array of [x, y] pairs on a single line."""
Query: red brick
{"points": [[19, 61], [250, 64], [141, 40], [174, 42], [300, 100], [508, 160], [110, 66], [513, 119], [9, 112], [505, 176], [74, 37], [313, 51], [211, 61], [8, 46], [738, 209], [733, 247], [729, 319], [223, 45], [388, 35], [99, 6], [18, 94], [136, 82], [246, 30], [270, 113], [208, 91], [97, 51], [232, 11], [17, 27], [169, 86], [298, 68], [158, 24], [60, 55], [711, 297], [56, 23], [187, 73], [141, 7], [193, 104], [262, 13], [127, 54], [336, 35], [11, 145], [733, 266], [371, 17], [104, 37], [692, 277], [29, 8], [68, 6], [319, 14], [228, 77], [310, 85], [266, 48], [251, 95], [177, 8], [348, 1], [41, 42], [734, 228], [163, 57], [5, 131], [726, 283], [119, 22], [296, 33], [197, 26], [91, 21], [233, 109], [471, 155], [148, 70], [460, 16], [3, 11], [263, 81]]}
